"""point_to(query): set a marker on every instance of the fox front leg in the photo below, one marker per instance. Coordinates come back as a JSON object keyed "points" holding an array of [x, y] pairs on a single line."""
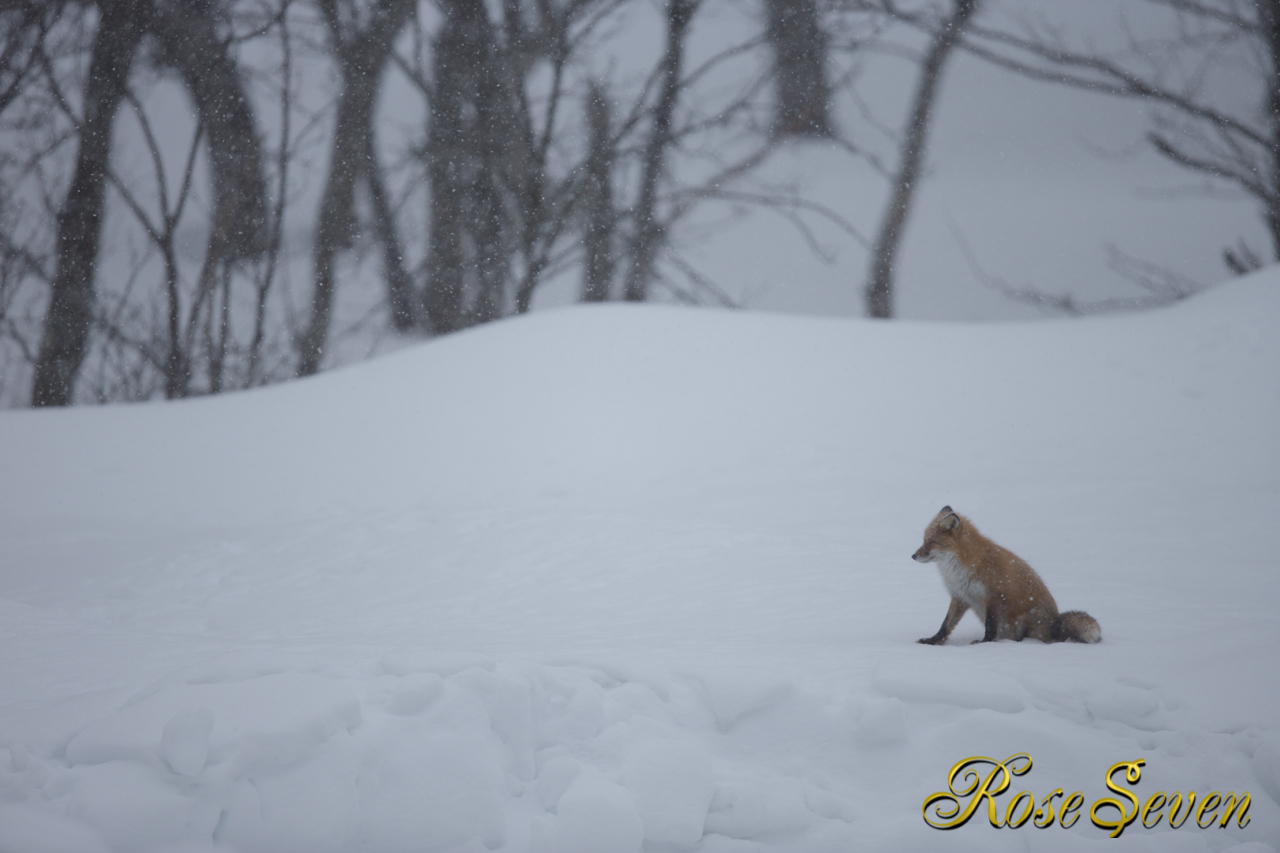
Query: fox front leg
{"points": [[992, 627], [957, 609]]}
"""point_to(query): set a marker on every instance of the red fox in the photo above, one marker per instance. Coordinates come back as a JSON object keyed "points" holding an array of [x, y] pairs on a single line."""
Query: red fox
{"points": [[1004, 592]]}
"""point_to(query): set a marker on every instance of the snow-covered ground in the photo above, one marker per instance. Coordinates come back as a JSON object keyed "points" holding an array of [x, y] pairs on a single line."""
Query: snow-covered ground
{"points": [[639, 578]]}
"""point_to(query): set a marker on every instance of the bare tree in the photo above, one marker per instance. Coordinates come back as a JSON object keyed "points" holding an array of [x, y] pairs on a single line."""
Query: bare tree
{"points": [[121, 26], [802, 93], [1155, 287], [1213, 43], [34, 37], [527, 153], [539, 158], [945, 35], [23, 27], [542, 202], [362, 52], [173, 358], [192, 39], [648, 229], [598, 208], [266, 275], [464, 242], [505, 188]]}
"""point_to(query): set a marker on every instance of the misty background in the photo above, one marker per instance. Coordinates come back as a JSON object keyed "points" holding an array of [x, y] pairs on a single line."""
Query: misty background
{"points": [[201, 197]]}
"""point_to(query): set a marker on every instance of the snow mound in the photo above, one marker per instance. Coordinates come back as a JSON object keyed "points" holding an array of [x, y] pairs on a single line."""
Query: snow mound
{"points": [[638, 579]]}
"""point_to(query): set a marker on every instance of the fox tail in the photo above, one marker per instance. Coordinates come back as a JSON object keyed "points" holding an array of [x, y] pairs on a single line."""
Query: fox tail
{"points": [[1077, 626]]}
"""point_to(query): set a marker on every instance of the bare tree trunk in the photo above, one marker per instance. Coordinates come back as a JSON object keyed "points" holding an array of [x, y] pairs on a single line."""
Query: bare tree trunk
{"points": [[449, 153], [217, 256], [468, 118], [337, 219], [362, 58], [879, 291], [597, 241], [545, 206], [526, 174], [218, 332], [65, 340], [176, 371], [496, 132], [189, 35], [1269, 19], [488, 232], [802, 93], [400, 301], [649, 235], [442, 297], [266, 275]]}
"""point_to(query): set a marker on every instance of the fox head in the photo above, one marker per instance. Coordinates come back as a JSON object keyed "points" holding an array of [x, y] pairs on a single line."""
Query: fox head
{"points": [[939, 536]]}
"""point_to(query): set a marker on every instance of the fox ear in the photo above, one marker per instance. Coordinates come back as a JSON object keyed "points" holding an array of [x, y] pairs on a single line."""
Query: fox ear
{"points": [[950, 522], [945, 510]]}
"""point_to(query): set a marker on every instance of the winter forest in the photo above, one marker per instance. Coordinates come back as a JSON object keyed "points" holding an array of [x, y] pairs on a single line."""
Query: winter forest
{"points": [[203, 196]]}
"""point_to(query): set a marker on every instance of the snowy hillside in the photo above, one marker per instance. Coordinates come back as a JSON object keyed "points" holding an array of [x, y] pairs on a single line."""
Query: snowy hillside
{"points": [[639, 578]]}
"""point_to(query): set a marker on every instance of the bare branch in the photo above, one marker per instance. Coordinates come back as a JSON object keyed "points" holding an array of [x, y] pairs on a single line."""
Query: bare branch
{"points": [[1097, 74]]}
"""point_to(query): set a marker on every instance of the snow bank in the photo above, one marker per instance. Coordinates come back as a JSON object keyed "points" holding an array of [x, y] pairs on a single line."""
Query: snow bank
{"points": [[626, 579], [253, 755]]}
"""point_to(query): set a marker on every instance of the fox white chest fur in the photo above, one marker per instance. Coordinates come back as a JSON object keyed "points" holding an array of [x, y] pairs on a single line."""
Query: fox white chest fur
{"points": [[961, 583]]}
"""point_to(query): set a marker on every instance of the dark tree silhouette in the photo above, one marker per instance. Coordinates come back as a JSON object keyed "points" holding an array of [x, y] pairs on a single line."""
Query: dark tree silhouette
{"points": [[23, 27], [362, 55], [189, 41], [531, 169], [187, 38], [802, 93], [648, 236], [121, 26], [598, 206], [466, 261], [884, 251]]}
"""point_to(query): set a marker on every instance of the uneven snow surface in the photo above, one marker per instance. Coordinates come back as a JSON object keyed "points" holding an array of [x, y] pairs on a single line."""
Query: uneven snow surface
{"points": [[634, 578]]}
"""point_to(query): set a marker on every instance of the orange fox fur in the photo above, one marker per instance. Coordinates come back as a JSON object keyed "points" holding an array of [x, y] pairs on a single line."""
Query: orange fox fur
{"points": [[1004, 592]]}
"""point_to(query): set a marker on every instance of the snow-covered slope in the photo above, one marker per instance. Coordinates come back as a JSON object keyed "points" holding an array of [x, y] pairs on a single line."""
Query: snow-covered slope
{"points": [[625, 578]]}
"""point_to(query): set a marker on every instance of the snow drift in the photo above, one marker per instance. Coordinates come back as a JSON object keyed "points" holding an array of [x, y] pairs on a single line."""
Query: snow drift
{"points": [[638, 578]]}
